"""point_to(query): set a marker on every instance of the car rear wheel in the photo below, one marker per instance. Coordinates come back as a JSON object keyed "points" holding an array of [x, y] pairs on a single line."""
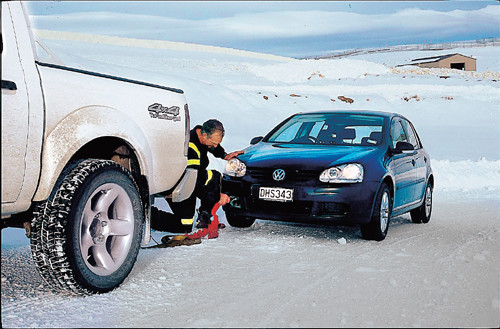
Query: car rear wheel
{"points": [[423, 213], [85, 238], [378, 226], [239, 221]]}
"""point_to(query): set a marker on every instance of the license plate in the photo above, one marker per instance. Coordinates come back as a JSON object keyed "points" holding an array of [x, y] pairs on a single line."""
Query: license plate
{"points": [[276, 194]]}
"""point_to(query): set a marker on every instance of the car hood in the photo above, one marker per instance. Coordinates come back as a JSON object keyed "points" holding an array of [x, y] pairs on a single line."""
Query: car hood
{"points": [[305, 156]]}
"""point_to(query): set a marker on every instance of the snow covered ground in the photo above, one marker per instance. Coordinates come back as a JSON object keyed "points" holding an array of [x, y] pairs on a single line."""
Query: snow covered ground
{"points": [[441, 274]]}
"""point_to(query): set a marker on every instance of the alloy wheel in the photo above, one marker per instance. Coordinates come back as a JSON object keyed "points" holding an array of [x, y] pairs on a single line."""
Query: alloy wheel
{"points": [[384, 211], [107, 228], [428, 201]]}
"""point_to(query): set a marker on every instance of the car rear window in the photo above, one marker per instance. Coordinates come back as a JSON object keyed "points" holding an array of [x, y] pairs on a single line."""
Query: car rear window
{"points": [[331, 129]]}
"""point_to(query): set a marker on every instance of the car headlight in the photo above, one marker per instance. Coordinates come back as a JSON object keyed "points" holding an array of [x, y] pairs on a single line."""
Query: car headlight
{"points": [[348, 173], [235, 168]]}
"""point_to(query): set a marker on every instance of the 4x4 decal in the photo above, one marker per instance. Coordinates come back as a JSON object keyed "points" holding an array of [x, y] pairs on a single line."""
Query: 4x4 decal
{"points": [[159, 111]]}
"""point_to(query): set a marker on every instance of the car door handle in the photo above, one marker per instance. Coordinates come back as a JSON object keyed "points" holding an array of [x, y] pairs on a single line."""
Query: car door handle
{"points": [[10, 85], [413, 162]]}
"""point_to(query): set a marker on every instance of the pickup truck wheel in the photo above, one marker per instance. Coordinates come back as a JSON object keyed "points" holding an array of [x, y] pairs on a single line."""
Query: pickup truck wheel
{"points": [[239, 221], [86, 237]]}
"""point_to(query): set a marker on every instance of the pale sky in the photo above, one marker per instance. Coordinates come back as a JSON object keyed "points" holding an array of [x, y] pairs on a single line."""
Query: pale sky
{"points": [[288, 28]]}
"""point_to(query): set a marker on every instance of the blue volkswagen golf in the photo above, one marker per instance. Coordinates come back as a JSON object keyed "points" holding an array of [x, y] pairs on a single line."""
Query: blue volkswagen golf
{"points": [[352, 167]]}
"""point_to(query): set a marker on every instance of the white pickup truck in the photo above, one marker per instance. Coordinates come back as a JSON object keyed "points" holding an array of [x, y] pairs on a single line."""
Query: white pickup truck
{"points": [[83, 155]]}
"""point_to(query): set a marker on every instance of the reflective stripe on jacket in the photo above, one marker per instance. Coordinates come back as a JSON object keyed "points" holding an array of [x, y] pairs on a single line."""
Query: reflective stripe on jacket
{"points": [[198, 156]]}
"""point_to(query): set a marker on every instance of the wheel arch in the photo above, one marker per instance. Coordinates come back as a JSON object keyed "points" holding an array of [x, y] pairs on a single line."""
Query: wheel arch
{"points": [[94, 132], [389, 181], [431, 180], [120, 151]]}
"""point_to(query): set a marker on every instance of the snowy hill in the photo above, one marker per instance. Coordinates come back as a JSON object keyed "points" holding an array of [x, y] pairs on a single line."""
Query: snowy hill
{"points": [[456, 113]]}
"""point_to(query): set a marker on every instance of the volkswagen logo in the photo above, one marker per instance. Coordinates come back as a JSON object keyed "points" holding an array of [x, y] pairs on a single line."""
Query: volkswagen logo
{"points": [[279, 174]]}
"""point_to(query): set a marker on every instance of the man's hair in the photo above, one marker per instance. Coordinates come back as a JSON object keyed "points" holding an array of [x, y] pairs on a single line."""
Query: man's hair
{"points": [[211, 126]]}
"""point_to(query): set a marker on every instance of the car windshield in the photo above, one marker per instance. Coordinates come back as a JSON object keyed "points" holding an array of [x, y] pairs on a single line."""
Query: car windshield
{"points": [[331, 129]]}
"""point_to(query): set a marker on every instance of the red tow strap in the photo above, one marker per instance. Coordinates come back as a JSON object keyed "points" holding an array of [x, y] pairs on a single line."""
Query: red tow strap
{"points": [[213, 228]]}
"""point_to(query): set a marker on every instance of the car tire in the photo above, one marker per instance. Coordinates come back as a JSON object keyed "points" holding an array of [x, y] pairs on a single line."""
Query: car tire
{"points": [[239, 221], [378, 226], [85, 238], [422, 214]]}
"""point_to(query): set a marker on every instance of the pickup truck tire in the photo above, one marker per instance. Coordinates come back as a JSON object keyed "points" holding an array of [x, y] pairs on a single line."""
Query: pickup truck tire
{"points": [[85, 238]]}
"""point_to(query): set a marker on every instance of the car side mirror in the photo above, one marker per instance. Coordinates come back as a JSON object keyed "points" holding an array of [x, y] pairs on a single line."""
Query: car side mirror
{"points": [[255, 140], [401, 147]]}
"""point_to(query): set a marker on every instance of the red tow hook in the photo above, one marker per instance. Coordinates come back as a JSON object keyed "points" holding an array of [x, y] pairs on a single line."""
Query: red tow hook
{"points": [[213, 228]]}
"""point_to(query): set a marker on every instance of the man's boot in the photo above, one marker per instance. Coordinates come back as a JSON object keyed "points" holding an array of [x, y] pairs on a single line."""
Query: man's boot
{"points": [[167, 222], [203, 219]]}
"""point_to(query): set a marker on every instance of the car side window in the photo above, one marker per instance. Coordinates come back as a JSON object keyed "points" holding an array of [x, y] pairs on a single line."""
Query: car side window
{"points": [[397, 132], [412, 137]]}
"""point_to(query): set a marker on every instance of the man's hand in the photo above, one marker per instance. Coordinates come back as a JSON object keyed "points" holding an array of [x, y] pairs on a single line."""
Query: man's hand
{"points": [[233, 154], [224, 199]]}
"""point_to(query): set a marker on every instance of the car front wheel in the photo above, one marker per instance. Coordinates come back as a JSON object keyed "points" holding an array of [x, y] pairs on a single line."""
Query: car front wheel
{"points": [[423, 213], [85, 238], [377, 228], [239, 221]]}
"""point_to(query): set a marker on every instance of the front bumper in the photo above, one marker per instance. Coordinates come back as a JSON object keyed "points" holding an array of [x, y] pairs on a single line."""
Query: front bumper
{"points": [[325, 203]]}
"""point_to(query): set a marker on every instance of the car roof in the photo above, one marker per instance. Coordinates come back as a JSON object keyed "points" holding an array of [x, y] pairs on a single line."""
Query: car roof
{"points": [[367, 112]]}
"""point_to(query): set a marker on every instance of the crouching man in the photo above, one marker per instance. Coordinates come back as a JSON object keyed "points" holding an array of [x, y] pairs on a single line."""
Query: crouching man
{"points": [[203, 139]]}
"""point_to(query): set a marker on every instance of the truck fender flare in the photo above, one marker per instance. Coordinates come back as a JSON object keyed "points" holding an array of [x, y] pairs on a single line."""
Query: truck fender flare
{"points": [[81, 127]]}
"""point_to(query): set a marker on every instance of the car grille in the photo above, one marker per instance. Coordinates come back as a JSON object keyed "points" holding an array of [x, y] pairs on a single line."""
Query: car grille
{"points": [[334, 208], [292, 175]]}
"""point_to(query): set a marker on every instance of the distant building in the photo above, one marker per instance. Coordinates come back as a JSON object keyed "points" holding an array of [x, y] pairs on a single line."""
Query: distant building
{"points": [[452, 61]]}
